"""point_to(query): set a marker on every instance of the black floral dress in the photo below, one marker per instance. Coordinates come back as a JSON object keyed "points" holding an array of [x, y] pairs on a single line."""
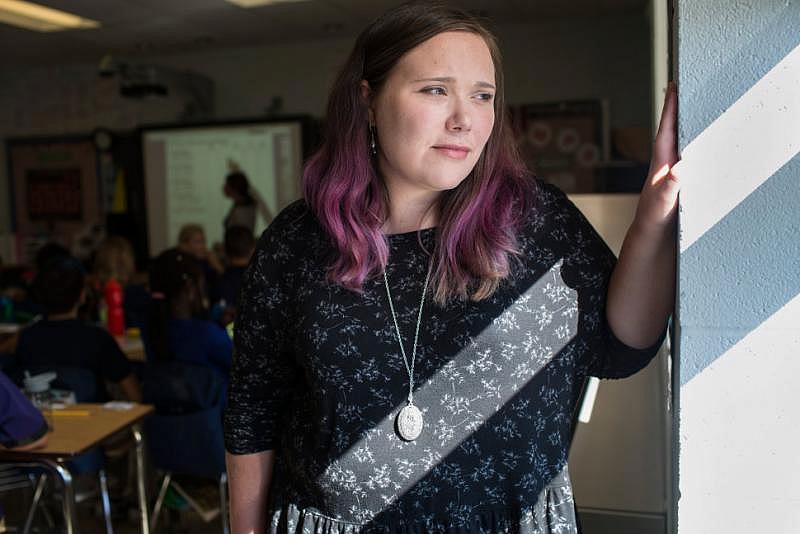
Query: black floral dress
{"points": [[318, 376]]}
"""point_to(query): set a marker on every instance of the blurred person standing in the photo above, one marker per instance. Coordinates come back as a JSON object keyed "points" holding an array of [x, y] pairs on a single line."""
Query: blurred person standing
{"points": [[247, 204]]}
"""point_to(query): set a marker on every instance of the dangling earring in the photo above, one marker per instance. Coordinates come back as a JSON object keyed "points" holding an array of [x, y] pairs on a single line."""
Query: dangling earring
{"points": [[373, 146]]}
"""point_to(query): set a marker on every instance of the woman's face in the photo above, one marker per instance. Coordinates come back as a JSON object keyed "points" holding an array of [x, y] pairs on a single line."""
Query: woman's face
{"points": [[434, 114]]}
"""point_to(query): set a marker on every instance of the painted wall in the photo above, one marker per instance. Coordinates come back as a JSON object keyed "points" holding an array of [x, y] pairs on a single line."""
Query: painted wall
{"points": [[739, 297]]}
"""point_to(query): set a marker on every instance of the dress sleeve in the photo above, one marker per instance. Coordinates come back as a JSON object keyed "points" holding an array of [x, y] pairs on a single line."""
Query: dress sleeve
{"points": [[262, 371], [587, 268]]}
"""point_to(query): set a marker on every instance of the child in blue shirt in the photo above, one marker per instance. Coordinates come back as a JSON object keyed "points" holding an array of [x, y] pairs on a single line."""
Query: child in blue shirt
{"points": [[239, 246], [180, 329]]}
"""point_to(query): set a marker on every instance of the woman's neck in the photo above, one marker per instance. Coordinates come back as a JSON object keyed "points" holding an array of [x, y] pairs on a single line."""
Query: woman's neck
{"points": [[409, 213]]}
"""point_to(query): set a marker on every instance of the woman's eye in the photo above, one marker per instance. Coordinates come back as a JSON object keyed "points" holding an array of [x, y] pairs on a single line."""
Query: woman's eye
{"points": [[486, 97], [435, 90]]}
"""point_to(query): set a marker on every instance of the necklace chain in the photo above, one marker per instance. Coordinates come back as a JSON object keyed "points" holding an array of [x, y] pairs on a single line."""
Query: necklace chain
{"points": [[409, 368]]}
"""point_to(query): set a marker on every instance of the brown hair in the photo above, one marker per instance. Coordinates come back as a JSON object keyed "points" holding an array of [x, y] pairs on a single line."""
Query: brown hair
{"points": [[188, 231], [114, 259]]}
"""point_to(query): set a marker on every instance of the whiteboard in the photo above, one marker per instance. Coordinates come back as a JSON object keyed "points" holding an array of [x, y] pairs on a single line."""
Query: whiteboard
{"points": [[185, 170]]}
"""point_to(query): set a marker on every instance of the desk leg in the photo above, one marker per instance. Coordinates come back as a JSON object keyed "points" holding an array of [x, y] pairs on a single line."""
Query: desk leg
{"points": [[140, 482], [101, 475], [223, 503], [68, 500], [37, 496]]}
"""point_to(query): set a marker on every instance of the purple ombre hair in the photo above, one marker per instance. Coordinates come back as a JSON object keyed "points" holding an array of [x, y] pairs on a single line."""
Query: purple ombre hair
{"points": [[478, 220]]}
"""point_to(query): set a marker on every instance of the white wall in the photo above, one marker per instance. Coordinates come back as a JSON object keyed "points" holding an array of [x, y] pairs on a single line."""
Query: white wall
{"points": [[739, 298], [618, 459]]}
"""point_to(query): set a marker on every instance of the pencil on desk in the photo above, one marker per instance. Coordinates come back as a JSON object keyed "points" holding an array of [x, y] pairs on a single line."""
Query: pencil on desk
{"points": [[72, 413]]}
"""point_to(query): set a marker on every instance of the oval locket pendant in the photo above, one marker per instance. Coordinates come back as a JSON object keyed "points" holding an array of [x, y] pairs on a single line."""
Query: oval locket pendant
{"points": [[409, 422]]}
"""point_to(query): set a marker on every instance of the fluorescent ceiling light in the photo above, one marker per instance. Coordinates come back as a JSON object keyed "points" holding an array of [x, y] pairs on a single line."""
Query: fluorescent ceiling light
{"points": [[41, 19], [258, 3]]}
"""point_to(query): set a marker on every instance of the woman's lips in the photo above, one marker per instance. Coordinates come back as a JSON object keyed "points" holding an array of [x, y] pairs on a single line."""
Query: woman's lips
{"points": [[452, 151]]}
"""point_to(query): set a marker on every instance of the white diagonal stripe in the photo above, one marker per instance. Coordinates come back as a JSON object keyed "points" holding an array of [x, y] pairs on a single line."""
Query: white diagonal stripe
{"points": [[740, 150], [738, 429]]}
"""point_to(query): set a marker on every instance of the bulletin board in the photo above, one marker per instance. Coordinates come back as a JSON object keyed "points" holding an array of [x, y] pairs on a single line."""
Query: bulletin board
{"points": [[55, 191], [564, 142]]}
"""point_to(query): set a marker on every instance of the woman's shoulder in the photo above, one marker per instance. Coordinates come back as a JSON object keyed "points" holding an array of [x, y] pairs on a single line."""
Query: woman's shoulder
{"points": [[554, 223], [293, 237], [296, 217], [549, 197], [240, 211], [549, 206], [49, 330]]}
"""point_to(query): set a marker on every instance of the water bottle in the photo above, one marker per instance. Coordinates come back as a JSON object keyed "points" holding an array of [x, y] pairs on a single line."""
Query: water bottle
{"points": [[6, 310], [116, 315], [37, 389]]}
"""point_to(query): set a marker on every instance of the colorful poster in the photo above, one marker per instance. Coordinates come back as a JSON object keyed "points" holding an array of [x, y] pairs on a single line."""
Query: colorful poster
{"points": [[55, 191]]}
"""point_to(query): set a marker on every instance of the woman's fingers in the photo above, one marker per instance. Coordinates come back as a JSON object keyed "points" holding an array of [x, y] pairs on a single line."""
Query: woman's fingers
{"points": [[659, 174], [658, 201], [666, 143], [668, 120]]}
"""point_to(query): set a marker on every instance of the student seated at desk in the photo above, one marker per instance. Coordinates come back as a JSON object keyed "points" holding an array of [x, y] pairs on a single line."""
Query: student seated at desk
{"points": [[22, 426], [192, 241], [62, 340], [239, 246], [180, 329], [114, 260]]}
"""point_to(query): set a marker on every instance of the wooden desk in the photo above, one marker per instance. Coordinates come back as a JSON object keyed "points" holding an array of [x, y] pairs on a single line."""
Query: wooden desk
{"points": [[133, 347], [9, 328], [75, 434], [9, 336]]}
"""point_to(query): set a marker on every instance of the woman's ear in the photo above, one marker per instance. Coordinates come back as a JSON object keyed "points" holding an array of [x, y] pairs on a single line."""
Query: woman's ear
{"points": [[366, 95]]}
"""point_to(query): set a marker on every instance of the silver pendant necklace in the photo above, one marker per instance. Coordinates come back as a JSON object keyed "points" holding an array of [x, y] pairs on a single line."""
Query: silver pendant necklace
{"points": [[409, 420]]}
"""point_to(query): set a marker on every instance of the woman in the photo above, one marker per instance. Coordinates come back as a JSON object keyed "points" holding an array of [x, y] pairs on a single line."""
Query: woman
{"points": [[414, 334], [246, 203]]}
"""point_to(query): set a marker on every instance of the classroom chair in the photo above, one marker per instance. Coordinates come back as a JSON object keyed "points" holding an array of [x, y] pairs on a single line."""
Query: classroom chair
{"points": [[184, 435]]}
